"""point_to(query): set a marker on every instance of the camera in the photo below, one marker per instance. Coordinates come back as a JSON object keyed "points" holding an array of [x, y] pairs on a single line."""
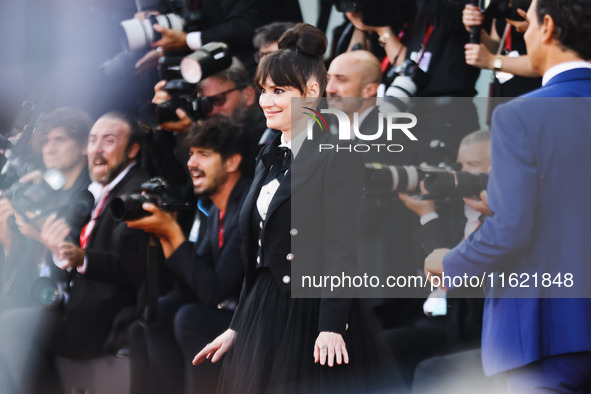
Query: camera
{"points": [[405, 80], [378, 12], [440, 183], [501, 9], [51, 288], [137, 34], [207, 61], [182, 95], [35, 200], [155, 191], [47, 293], [17, 158]]}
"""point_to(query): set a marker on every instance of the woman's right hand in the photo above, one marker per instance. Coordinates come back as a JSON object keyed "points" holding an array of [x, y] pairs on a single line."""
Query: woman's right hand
{"points": [[216, 349]]}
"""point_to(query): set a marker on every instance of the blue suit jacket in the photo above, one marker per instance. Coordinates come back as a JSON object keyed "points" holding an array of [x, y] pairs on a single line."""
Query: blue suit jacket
{"points": [[539, 190]]}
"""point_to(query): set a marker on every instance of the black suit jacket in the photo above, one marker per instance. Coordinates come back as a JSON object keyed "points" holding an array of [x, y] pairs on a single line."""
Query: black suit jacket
{"points": [[232, 22], [311, 225], [214, 275], [463, 323], [116, 258], [384, 241]]}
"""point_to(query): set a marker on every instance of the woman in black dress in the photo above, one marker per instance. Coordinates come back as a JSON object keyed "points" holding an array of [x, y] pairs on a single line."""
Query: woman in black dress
{"points": [[298, 215]]}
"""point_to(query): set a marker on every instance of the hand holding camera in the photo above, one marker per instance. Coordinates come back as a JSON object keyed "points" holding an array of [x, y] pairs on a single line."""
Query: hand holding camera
{"points": [[480, 205], [171, 40], [163, 225], [184, 123]]}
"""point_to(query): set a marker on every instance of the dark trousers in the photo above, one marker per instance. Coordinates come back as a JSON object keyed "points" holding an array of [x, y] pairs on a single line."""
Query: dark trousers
{"points": [[195, 326], [156, 358], [162, 351]]}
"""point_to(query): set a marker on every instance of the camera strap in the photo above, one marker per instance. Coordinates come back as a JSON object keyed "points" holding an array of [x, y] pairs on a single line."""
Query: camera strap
{"points": [[87, 229], [147, 303], [426, 38]]}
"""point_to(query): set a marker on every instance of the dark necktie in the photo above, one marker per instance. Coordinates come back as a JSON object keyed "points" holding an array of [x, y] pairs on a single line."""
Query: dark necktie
{"points": [[280, 165]]}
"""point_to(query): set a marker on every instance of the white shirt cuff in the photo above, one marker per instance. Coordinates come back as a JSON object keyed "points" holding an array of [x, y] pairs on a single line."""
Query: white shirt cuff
{"points": [[62, 263], [84, 266], [59, 263], [428, 217], [194, 40]]}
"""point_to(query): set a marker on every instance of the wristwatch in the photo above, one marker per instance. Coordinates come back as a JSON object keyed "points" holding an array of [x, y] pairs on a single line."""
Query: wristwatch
{"points": [[498, 63], [383, 38]]}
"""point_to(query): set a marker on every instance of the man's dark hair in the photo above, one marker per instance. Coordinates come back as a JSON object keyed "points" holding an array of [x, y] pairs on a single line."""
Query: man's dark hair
{"points": [[572, 21], [136, 131], [75, 122], [270, 33], [220, 134]]}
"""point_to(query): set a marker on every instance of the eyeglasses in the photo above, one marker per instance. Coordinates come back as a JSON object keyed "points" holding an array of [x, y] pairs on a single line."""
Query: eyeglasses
{"points": [[260, 55], [220, 99]]}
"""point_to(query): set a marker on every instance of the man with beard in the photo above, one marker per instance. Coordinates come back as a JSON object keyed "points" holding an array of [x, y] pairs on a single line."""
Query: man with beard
{"points": [[209, 273], [106, 267]]}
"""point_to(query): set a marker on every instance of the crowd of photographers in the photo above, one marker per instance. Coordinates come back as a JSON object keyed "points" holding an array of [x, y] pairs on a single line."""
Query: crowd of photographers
{"points": [[89, 269]]}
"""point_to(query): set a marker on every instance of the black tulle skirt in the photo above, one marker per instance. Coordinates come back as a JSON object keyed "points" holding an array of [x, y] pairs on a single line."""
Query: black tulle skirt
{"points": [[274, 349]]}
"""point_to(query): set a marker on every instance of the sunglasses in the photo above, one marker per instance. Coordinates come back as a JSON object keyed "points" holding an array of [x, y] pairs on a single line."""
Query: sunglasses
{"points": [[220, 99]]}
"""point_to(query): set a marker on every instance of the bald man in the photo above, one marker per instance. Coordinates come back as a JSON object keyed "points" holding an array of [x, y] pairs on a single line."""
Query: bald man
{"points": [[384, 241], [355, 74]]}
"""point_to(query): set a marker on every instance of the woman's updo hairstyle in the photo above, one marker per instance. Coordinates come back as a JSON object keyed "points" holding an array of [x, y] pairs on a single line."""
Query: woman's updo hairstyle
{"points": [[298, 59]]}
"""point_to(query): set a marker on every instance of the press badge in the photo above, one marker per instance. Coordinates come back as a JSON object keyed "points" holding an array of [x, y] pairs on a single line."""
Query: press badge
{"points": [[502, 76], [424, 62]]}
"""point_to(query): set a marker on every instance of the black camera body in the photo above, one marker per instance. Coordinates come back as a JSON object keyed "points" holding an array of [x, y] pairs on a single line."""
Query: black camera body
{"points": [[193, 19], [405, 80], [182, 95], [440, 183], [155, 191], [212, 58], [378, 12], [501, 9]]}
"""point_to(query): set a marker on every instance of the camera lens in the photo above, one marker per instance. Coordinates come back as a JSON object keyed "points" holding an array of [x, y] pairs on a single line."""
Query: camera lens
{"points": [[45, 292], [382, 179], [138, 34], [129, 207]]}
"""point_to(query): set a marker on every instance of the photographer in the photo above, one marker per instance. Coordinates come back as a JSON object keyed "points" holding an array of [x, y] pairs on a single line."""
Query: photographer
{"points": [[105, 271], [450, 324], [209, 274], [62, 135], [230, 92], [229, 21], [501, 49], [433, 38], [353, 79]]}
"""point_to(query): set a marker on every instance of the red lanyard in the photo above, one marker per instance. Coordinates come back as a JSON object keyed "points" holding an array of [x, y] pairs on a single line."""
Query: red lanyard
{"points": [[221, 230]]}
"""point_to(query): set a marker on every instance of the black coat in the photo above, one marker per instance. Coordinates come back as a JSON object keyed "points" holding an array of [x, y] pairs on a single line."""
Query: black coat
{"points": [[116, 257], [311, 225], [214, 274]]}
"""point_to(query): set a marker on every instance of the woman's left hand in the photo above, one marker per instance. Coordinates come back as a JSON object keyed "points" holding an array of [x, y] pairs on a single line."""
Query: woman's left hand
{"points": [[330, 346]]}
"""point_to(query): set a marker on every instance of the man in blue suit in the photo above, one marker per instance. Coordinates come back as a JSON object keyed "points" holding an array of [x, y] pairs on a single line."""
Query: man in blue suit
{"points": [[538, 190]]}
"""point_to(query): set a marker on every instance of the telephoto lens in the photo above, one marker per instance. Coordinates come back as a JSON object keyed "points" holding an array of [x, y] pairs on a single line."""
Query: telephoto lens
{"points": [[130, 207]]}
